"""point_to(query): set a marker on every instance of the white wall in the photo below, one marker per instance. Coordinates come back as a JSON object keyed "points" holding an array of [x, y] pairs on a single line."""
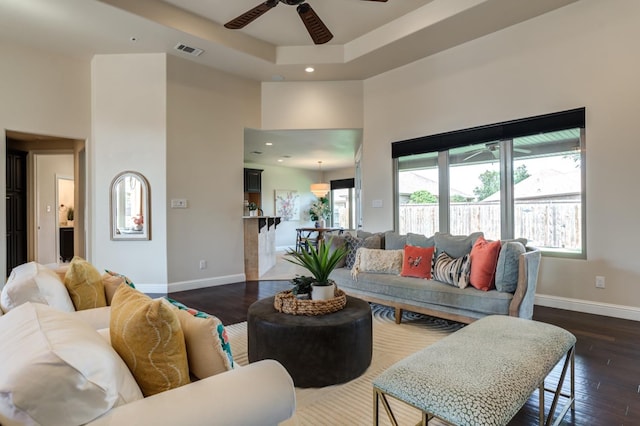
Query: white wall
{"points": [[129, 120], [42, 93], [580, 55], [312, 105], [207, 113]]}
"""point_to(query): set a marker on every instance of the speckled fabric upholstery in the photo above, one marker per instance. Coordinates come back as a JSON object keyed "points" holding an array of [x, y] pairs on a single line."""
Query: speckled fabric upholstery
{"points": [[482, 374]]}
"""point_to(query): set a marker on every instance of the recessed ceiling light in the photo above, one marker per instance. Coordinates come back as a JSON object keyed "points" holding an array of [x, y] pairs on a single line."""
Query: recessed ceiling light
{"points": [[280, 160], [309, 69], [268, 143]]}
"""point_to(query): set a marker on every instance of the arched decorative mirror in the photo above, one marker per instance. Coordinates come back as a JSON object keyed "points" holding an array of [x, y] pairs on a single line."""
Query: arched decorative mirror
{"points": [[130, 214]]}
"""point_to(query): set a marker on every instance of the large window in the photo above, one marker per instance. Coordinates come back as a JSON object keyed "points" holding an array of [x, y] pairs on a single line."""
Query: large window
{"points": [[343, 212], [527, 183]]}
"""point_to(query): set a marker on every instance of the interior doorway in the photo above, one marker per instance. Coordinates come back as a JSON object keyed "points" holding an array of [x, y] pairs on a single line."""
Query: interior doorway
{"points": [[53, 171]]}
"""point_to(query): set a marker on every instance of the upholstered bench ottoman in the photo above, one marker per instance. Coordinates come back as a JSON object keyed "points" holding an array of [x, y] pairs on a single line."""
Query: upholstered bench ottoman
{"points": [[482, 374]]}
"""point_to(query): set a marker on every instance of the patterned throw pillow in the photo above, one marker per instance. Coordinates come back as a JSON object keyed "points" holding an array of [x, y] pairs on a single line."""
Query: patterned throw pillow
{"points": [[417, 262], [377, 261], [354, 243], [111, 280], [147, 335], [126, 279], [208, 348], [454, 271], [84, 284]]}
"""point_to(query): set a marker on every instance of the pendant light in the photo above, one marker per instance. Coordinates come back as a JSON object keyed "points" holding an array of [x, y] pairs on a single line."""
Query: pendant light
{"points": [[320, 189]]}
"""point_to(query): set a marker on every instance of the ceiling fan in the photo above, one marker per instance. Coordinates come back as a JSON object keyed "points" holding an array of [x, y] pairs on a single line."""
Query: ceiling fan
{"points": [[318, 31], [493, 148]]}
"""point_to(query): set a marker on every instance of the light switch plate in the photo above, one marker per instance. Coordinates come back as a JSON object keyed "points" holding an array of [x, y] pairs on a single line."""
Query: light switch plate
{"points": [[178, 203]]}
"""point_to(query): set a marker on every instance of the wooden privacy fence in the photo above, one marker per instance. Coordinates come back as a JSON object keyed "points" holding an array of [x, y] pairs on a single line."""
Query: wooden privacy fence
{"points": [[550, 224]]}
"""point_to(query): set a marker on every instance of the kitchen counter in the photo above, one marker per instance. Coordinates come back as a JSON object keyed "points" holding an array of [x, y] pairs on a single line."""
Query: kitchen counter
{"points": [[259, 245]]}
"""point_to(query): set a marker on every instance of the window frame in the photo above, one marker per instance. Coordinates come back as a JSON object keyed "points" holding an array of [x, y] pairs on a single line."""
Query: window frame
{"points": [[442, 143]]}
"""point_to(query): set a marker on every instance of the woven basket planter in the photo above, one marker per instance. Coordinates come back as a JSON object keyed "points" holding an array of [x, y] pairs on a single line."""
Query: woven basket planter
{"points": [[288, 303]]}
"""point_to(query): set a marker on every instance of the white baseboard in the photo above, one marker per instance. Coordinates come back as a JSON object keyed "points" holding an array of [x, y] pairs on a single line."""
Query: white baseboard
{"points": [[206, 282], [190, 285], [589, 307]]}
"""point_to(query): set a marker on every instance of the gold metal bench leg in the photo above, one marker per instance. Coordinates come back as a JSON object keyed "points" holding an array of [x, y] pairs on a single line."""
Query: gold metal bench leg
{"points": [[379, 396], [569, 364]]}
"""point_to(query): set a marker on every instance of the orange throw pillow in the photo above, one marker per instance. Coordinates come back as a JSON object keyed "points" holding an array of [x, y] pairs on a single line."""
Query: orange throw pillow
{"points": [[416, 262], [484, 259]]}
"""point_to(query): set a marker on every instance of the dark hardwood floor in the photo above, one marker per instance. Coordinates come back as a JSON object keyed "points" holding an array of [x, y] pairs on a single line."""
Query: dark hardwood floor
{"points": [[607, 353]]}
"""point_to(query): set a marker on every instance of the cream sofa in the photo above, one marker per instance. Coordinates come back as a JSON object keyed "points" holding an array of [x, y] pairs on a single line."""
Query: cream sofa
{"points": [[58, 369]]}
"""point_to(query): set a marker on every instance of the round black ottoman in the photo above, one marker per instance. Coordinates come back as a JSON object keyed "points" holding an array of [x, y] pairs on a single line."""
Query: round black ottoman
{"points": [[316, 350]]}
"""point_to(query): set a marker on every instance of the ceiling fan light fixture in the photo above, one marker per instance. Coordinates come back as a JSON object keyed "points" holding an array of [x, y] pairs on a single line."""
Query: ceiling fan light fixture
{"points": [[320, 189]]}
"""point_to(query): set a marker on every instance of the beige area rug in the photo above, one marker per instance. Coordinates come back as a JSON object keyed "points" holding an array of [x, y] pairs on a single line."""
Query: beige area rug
{"points": [[352, 403]]}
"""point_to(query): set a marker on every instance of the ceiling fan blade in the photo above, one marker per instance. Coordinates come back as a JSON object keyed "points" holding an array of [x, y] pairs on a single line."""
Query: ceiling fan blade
{"points": [[478, 152], [251, 15], [318, 31], [522, 150]]}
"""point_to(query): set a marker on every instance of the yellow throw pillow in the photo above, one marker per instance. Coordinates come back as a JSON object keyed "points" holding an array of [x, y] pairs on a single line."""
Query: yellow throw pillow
{"points": [[146, 333], [84, 284]]}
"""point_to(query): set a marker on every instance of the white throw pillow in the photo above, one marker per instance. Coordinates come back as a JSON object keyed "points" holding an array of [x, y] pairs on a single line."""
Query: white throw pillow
{"points": [[32, 282], [57, 370]]}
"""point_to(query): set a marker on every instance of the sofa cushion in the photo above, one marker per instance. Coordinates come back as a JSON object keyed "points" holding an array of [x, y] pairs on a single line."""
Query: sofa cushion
{"points": [[417, 262], [455, 245], [430, 294], [508, 265], [394, 241], [207, 343], [354, 243], [484, 258], [454, 271], [377, 261], [146, 333], [335, 242], [32, 282], [420, 240], [84, 284], [365, 234], [57, 370]]}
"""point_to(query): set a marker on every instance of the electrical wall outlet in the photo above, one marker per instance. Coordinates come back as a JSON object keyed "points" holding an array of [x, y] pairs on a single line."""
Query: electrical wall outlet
{"points": [[203, 264], [599, 282]]}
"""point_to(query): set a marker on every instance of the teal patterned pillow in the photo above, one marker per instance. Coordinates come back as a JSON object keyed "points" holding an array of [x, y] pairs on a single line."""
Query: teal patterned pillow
{"points": [[200, 336], [453, 271], [126, 279]]}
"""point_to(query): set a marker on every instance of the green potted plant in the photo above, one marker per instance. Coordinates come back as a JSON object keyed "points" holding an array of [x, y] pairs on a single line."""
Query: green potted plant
{"points": [[253, 209], [319, 262]]}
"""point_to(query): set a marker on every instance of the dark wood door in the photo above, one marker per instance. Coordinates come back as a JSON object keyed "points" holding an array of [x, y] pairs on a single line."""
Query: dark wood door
{"points": [[16, 208]]}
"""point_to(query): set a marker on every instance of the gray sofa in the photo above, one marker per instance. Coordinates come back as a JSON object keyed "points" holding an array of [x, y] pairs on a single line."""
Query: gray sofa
{"points": [[442, 300]]}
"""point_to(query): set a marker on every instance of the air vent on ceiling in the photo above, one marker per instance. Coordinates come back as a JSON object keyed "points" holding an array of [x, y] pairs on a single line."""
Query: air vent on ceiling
{"points": [[194, 51]]}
